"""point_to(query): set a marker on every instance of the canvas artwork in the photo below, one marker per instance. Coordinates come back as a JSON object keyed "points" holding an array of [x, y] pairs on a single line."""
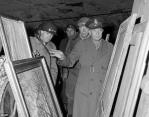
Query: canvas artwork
{"points": [[14, 39], [33, 87], [39, 100], [16, 47]]}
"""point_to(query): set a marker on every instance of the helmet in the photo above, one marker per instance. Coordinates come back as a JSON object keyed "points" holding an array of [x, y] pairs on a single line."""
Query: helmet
{"points": [[83, 21], [47, 26], [94, 23]]}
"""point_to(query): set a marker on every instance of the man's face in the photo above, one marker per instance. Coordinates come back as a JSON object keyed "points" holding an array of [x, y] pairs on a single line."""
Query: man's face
{"points": [[70, 32], [84, 31], [97, 33], [45, 36]]}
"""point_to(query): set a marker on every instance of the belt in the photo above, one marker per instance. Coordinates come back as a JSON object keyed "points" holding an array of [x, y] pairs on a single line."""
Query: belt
{"points": [[90, 68]]}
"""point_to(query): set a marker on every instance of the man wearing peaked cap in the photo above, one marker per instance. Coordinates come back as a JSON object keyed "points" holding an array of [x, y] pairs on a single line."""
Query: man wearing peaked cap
{"points": [[84, 31], [41, 45], [93, 54], [96, 29], [94, 23], [48, 26], [69, 75], [82, 21]]}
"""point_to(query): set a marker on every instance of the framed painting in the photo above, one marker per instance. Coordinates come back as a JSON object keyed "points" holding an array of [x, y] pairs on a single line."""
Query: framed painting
{"points": [[14, 39], [31, 83], [115, 66]]}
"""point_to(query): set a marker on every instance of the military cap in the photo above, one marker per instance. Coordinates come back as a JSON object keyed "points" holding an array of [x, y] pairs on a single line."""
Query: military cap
{"points": [[94, 23], [83, 21], [47, 26]]}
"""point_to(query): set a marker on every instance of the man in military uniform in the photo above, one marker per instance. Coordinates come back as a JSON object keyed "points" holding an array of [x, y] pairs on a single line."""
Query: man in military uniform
{"points": [[41, 45], [93, 54], [69, 75], [84, 31]]}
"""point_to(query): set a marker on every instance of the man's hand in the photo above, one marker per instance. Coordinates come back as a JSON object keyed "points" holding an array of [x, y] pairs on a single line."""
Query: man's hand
{"points": [[57, 53]]}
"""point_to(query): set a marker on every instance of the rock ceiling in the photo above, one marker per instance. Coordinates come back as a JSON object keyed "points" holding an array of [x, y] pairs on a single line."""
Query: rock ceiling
{"points": [[36, 10], [62, 12]]}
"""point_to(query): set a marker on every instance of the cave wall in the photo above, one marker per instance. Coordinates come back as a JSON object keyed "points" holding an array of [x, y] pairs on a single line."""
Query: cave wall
{"points": [[63, 12]]}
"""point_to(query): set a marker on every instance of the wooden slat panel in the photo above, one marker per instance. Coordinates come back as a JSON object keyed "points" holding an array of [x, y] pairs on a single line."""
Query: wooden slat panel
{"points": [[139, 70], [128, 73], [115, 65]]}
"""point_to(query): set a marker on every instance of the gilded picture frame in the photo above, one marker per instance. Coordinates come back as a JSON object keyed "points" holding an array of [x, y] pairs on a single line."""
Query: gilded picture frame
{"points": [[32, 88]]}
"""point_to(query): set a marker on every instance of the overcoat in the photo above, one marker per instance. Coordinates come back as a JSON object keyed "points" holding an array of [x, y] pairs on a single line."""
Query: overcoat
{"points": [[94, 63], [39, 49]]}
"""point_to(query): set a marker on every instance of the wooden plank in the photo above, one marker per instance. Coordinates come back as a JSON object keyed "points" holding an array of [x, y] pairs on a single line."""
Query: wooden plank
{"points": [[14, 39], [139, 30], [115, 66], [128, 71], [52, 89], [139, 70]]}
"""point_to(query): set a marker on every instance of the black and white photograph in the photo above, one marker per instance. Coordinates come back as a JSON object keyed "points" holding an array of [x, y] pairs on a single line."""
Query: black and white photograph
{"points": [[74, 58]]}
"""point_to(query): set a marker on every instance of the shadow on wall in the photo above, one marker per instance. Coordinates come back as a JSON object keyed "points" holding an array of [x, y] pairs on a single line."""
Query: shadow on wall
{"points": [[30, 31]]}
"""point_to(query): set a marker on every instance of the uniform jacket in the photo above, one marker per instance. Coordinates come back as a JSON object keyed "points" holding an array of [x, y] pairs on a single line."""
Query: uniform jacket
{"points": [[94, 63], [39, 50], [72, 73]]}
